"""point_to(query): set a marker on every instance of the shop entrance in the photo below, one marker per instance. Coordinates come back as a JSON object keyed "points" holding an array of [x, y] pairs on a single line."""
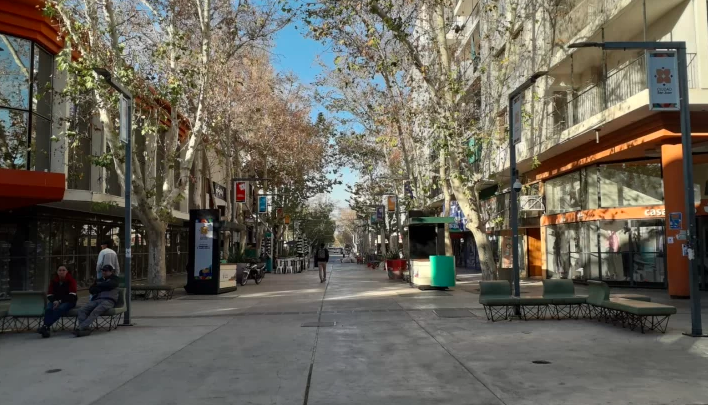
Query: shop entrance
{"points": [[534, 252]]}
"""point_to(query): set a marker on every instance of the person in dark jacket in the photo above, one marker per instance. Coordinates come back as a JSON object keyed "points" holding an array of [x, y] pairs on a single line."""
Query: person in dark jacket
{"points": [[61, 297], [104, 296]]}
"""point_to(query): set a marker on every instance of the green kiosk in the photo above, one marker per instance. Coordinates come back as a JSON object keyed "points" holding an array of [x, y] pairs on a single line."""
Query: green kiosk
{"points": [[429, 267]]}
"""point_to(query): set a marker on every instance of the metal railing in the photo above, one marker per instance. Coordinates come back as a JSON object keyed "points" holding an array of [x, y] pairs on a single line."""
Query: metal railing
{"points": [[620, 84]]}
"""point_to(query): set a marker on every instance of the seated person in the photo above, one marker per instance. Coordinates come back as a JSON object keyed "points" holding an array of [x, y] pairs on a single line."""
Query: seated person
{"points": [[104, 296], [61, 298]]}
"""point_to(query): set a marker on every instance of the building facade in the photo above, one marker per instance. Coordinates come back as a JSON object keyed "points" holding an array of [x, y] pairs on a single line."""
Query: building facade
{"points": [[601, 171], [56, 206]]}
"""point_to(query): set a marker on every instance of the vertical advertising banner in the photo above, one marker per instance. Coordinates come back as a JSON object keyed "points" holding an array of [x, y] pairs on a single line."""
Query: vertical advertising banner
{"points": [[380, 213], [662, 73], [391, 203], [240, 191], [204, 249], [518, 123], [262, 204], [279, 212], [286, 219]]}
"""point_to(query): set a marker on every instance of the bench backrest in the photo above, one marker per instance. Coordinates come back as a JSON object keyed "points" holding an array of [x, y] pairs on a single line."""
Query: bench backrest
{"points": [[27, 303], [598, 293], [494, 288], [558, 288], [121, 298]]}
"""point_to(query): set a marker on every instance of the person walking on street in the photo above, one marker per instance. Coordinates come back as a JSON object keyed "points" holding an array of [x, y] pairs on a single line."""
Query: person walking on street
{"points": [[322, 259], [104, 296], [61, 297], [107, 256]]}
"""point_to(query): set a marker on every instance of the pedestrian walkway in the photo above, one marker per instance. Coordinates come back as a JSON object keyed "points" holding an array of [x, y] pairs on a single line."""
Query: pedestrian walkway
{"points": [[378, 342]]}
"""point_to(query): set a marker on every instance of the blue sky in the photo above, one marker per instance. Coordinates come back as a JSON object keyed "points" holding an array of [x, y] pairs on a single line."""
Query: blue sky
{"points": [[295, 53]]}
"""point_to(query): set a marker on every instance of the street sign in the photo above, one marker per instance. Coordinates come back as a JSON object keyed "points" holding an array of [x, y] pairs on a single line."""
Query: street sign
{"points": [[124, 111], [662, 73], [516, 114], [675, 220], [262, 204], [240, 190], [391, 202]]}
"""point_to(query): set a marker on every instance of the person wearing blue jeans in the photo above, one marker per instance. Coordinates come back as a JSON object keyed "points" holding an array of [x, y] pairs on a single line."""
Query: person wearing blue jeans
{"points": [[61, 298]]}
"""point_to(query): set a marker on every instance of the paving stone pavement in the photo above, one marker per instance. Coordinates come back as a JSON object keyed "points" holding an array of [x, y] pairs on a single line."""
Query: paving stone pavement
{"points": [[378, 342]]}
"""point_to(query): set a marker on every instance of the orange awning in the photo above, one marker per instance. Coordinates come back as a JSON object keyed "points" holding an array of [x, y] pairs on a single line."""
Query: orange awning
{"points": [[24, 188]]}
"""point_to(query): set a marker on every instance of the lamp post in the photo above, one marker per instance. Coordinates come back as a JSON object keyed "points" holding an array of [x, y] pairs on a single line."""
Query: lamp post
{"points": [[515, 183], [685, 118], [126, 112]]}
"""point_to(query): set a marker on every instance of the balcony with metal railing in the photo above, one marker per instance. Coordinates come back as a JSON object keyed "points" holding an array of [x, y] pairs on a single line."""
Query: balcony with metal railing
{"points": [[620, 84]]}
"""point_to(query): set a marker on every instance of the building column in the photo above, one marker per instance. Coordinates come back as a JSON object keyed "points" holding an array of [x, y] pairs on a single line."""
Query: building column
{"points": [[675, 201], [60, 110]]}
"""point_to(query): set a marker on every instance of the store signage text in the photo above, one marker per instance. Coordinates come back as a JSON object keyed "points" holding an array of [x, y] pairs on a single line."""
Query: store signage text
{"points": [[655, 213]]}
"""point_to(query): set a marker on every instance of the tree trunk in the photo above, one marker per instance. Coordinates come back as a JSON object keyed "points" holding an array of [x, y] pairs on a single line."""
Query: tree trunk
{"points": [[157, 267], [471, 208]]}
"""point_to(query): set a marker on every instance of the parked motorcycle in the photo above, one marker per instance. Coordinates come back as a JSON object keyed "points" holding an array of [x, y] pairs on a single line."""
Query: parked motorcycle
{"points": [[255, 271]]}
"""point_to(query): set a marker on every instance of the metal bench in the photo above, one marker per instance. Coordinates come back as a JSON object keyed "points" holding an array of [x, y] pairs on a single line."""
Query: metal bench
{"points": [[26, 311], [154, 291], [630, 312], [108, 321]]}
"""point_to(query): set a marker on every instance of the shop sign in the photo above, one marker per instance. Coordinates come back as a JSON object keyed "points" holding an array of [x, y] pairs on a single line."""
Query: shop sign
{"points": [[662, 72], [240, 189], [655, 213]]}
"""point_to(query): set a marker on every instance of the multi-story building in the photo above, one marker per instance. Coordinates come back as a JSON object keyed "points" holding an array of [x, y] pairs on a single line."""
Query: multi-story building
{"points": [[55, 205], [601, 170]]}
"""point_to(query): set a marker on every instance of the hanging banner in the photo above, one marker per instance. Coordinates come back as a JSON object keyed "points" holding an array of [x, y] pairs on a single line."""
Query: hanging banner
{"points": [[286, 219], [204, 245], [240, 190], [408, 189], [262, 204], [662, 73], [517, 126], [279, 212], [391, 203], [380, 213]]}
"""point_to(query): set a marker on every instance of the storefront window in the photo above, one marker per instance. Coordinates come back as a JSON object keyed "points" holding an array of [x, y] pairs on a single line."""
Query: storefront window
{"points": [[567, 193], [631, 184], [25, 104], [700, 180], [633, 251]]}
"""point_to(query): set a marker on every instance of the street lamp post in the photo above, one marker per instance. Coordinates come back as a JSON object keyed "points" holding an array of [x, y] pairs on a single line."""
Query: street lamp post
{"points": [[515, 184], [680, 47], [126, 121]]}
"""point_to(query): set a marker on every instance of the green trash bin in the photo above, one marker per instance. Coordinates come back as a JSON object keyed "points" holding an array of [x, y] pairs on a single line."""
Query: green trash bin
{"points": [[442, 271]]}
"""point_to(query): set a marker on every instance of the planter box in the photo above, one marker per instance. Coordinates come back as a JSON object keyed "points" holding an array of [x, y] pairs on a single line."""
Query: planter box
{"points": [[395, 268]]}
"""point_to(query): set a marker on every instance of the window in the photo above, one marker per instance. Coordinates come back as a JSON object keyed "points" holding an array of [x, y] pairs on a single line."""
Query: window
{"points": [[631, 184], [566, 193], [25, 104]]}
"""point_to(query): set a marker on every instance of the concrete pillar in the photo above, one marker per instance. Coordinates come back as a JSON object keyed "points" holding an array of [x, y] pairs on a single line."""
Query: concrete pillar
{"points": [[59, 156], [700, 14], [674, 197]]}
